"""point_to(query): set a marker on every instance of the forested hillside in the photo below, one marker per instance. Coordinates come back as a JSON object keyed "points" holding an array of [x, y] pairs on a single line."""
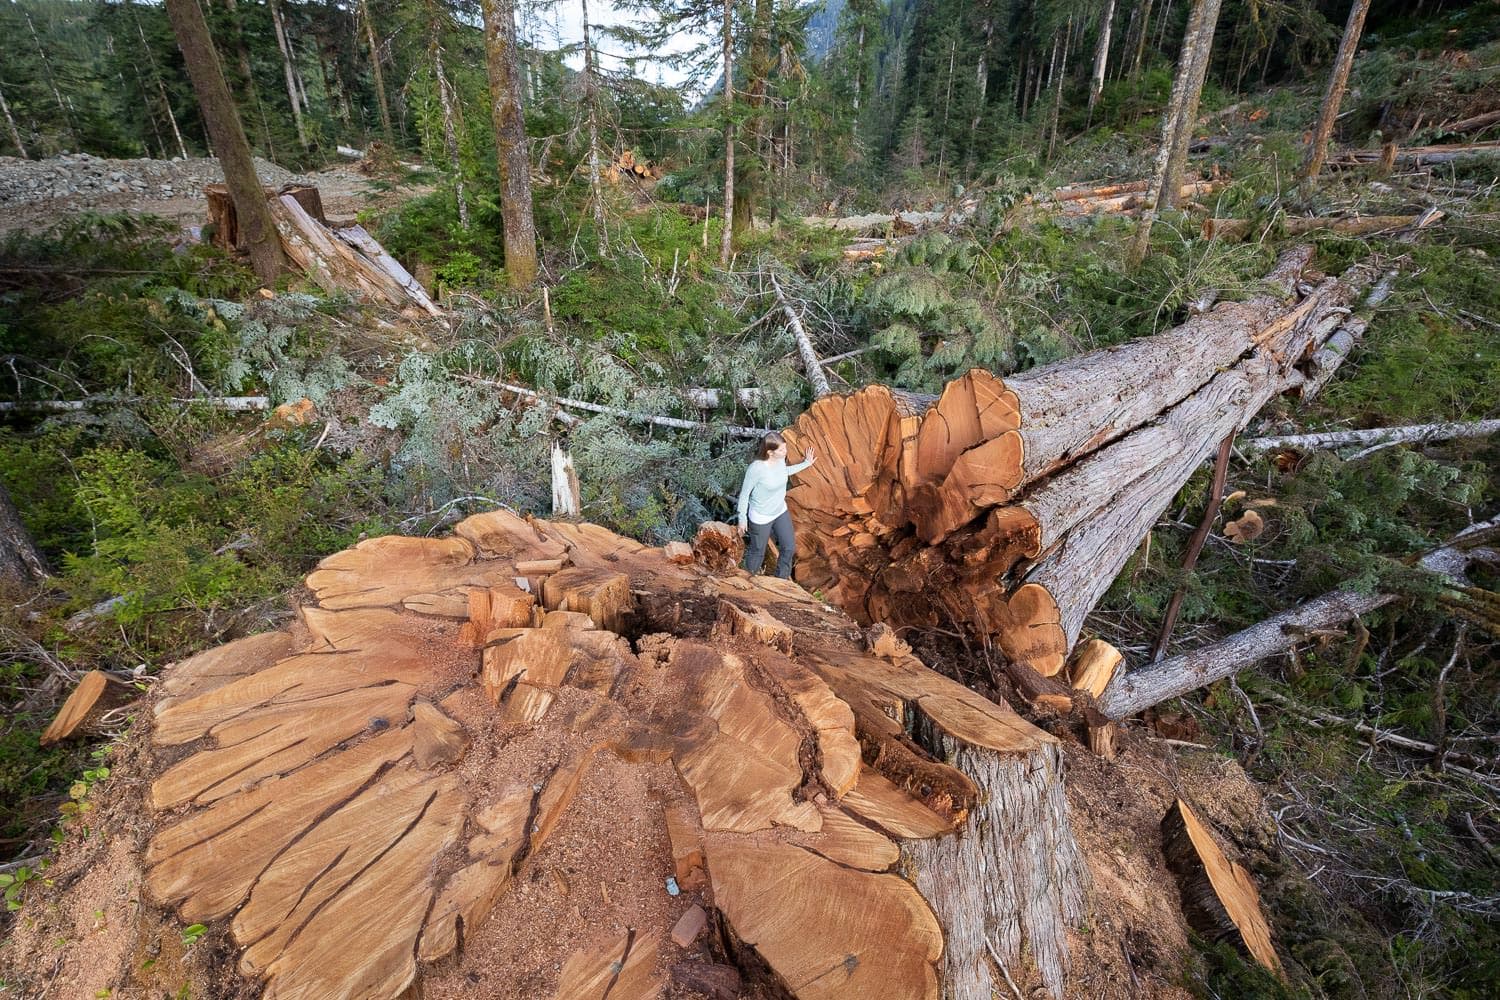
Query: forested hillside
{"points": [[374, 374]]}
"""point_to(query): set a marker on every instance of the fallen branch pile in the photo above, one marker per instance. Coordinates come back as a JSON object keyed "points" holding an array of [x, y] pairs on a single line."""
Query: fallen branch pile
{"points": [[1413, 156], [1005, 509]]}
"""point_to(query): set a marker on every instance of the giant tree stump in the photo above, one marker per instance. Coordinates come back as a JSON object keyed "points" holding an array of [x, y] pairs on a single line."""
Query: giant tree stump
{"points": [[429, 768]]}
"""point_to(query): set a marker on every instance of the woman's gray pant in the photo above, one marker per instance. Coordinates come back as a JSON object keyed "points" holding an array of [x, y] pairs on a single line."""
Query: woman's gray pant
{"points": [[786, 545]]}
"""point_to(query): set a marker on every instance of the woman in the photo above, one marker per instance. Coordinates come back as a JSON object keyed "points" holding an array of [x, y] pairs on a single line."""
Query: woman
{"points": [[763, 510]]}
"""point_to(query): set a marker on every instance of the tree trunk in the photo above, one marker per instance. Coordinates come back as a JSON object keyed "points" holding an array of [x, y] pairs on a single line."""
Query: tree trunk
{"points": [[10, 126], [1414, 434], [450, 132], [161, 88], [1138, 49], [247, 78], [378, 73], [20, 563], [1005, 509], [1201, 54], [726, 243], [1101, 55], [514, 154], [591, 97], [750, 182], [1175, 122], [228, 136], [1338, 79], [810, 360], [859, 74], [288, 72], [1062, 74], [1137, 690]]}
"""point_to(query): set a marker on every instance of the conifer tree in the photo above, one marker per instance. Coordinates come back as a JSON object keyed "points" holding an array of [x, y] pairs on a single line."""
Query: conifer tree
{"points": [[512, 149], [228, 136]]}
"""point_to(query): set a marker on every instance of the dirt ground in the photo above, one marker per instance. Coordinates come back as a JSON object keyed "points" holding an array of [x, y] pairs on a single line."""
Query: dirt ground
{"points": [[37, 194]]}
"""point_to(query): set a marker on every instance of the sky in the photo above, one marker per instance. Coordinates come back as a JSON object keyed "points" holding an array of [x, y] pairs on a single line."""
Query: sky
{"points": [[562, 24]]}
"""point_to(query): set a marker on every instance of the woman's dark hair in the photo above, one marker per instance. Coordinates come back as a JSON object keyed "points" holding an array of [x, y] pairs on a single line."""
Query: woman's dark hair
{"points": [[768, 444]]}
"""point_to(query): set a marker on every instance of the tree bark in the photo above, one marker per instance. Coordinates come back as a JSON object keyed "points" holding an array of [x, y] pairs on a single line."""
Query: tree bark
{"points": [[288, 72], [1137, 690], [1414, 434], [502, 59], [377, 73], [1101, 55], [20, 562], [1138, 50], [1176, 123], [1201, 53], [228, 136], [726, 243], [1333, 96], [450, 132], [10, 126]]}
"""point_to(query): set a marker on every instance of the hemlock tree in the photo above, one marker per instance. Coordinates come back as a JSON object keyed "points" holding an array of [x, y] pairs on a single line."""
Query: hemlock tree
{"points": [[1177, 123], [512, 150], [228, 137], [1338, 79]]}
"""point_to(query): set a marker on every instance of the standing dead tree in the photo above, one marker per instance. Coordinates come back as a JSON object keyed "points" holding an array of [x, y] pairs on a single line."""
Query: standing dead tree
{"points": [[1338, 80]]}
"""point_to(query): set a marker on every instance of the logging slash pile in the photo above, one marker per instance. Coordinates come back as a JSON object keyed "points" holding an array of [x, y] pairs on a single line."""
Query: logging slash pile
{"points": [[1005, 508]]}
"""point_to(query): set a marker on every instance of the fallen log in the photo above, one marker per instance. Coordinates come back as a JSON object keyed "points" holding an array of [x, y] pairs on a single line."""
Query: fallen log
{"points": [[1005, 508], [1475, 123], [1325, 361], [810, 362], [234, 404], [1414, 434], [357, 806], [1137, 690], [1354, 225], [1415, 156]]}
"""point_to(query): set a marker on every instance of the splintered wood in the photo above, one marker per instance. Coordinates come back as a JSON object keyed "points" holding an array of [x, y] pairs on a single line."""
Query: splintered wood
{"points": [[1005, 508], [1218, 895], [432, 751]]}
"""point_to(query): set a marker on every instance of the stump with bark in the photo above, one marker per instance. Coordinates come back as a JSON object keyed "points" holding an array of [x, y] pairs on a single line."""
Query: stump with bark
{"points": [[532, 725], [1004, 508]]}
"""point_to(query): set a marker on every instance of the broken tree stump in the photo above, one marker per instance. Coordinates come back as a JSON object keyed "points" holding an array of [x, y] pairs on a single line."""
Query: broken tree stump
{"points": [[76, 710], [368, 793], [1218, 895]]}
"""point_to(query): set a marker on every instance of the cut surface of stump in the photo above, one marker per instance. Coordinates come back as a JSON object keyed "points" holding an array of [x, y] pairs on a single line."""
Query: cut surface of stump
{"points": [[410, 783]]}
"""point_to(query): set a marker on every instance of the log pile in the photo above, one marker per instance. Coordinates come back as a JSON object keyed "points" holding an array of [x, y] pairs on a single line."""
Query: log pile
{"points": [[1005, 508], [531, 725]]}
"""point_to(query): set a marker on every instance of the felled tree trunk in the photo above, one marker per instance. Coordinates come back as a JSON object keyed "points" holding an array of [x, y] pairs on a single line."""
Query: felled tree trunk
{"points": [[459, 742], [1006, 508]]}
